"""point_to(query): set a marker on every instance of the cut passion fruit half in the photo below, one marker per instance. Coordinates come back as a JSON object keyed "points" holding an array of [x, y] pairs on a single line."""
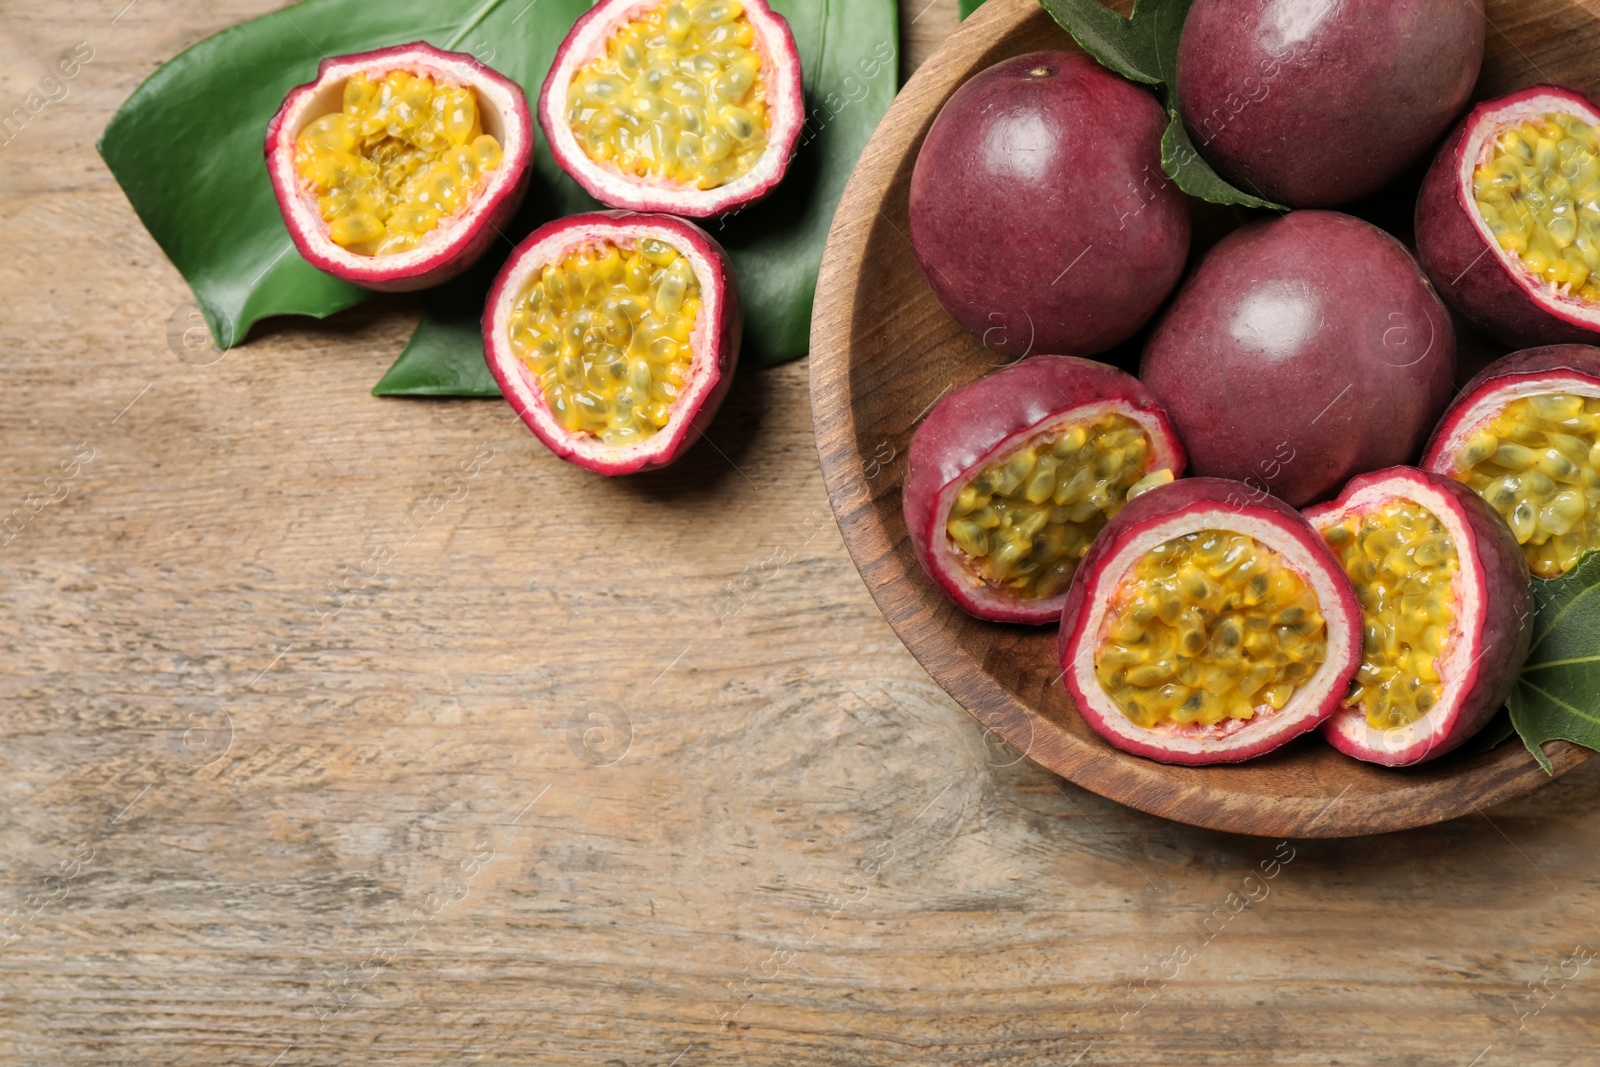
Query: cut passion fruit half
{"points": [[1508, 223], [1525, 435], [688, 107], [1445, 611], [1011, 478], [1208, 624], [614, 336], [394, 169]]}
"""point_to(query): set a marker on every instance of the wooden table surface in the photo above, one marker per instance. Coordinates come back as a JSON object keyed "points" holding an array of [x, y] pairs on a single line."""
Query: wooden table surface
{"points": [[611, 773]]}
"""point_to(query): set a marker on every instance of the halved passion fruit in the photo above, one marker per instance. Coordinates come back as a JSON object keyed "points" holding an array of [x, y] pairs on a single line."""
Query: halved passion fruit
{"points": [[1525, 435], [1010, 479], [615, 335], [395, 169], [1208, 624], [1508, 223], [1445, 608], [689, 107]]}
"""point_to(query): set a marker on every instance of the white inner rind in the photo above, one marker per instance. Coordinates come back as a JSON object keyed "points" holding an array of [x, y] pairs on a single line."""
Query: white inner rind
{"points": [[1195, 738], [501, 119], [705, 340], [1478, 150], [785, 111], [1463, 646], [1493, 398], [953, 561]]}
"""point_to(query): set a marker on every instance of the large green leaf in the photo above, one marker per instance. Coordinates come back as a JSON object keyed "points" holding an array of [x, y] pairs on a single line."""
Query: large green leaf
{"points": [[187, 149], [1144, 48], [967, 7], [1557, 697]]}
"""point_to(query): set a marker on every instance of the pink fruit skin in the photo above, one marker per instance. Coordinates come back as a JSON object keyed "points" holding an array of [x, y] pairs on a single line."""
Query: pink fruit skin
{"points": [[1302, 351], [1224, 498], [1315, 103], [788, 116], [966, 427], [1505, 625], [1040, 214], [1476, 279], [505, 198], [1511, 376], [714, 376]]}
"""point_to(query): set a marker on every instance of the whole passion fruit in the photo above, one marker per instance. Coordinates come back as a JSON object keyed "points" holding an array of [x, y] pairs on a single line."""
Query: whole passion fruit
{"points": [[1508, 223], [689, 107], [1010, 479], [395, 169], [1446, 613], [1525, 435], [614, 336], [1040, 214], [1318, 104], [1303, 350], [1206, 628]]}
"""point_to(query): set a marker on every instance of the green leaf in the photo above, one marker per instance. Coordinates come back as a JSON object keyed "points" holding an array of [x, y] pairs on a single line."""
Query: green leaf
{"points": [[1557, 696], [1144, 48], [1128, 46], [967, 7]]}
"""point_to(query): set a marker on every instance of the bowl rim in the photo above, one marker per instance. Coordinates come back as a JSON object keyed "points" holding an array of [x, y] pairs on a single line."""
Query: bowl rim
{"points": [[918, 613]]}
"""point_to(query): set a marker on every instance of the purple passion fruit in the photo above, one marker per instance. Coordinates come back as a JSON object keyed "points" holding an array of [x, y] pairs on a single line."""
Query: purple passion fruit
{"points": [[1508, 223], [1040, 214], [1205, 628], [396, 169], [688, 107], [1011, 478], [1318, 104], [1525, 436], [615, 336], [1445, 608], [1303, 350]]}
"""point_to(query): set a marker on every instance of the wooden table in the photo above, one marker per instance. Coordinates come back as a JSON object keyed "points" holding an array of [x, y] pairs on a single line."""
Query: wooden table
{"points": [[610, 773]]}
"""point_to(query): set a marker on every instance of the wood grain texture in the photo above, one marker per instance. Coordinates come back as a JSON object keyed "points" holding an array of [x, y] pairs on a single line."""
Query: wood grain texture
{"points": [[885, 352], [264, 802]]}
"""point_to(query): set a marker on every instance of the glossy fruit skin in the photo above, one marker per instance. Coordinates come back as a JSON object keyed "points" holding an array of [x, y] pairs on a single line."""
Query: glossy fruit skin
{"points": [[1549, 369], [439, 258], [1169, 511], [717, 335], [989, 417], [1493, 626], [1318, 112], [1302, 351], [1485, 285], [785, 103], [1040, 214]]}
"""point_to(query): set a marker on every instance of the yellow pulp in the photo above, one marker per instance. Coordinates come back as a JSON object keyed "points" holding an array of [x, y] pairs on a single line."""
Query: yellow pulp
{"points": [[1540, 195], [1538, 464], [1206, 627], [606, 334], [1401, 562], [402, 155], [678, 96], [1026, 520]]}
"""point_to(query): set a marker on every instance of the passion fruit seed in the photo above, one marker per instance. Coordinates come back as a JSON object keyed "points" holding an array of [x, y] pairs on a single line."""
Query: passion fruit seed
{"points": [[1538, 464], [402, 155], [1540, 196], [678, 95], [1402, 563], [1026, 520], [1206, 627], [606, 334]]}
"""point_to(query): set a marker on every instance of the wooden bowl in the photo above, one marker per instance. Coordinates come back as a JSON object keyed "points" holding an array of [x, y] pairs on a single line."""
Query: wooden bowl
{"points": [[882, 351]]}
